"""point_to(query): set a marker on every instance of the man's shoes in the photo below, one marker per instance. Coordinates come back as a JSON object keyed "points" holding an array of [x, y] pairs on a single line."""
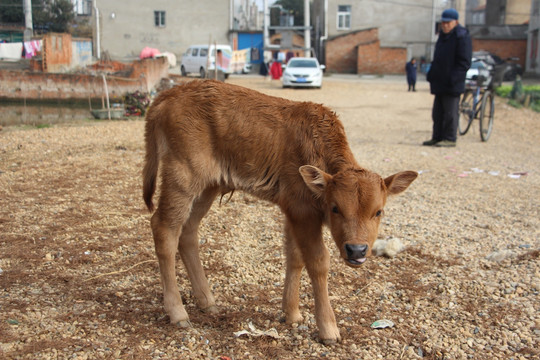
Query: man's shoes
{"points": [[446, 143], [431, 142]]}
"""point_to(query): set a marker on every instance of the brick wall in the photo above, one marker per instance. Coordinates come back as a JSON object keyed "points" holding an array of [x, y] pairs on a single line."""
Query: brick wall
{"points": [[144, 75], [56, 52], [374, 59], [342, 53], [503, 48], [360, 52]]}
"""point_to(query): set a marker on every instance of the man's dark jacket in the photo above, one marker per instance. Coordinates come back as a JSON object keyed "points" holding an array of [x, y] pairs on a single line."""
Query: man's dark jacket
{"points": [[451, 61]]}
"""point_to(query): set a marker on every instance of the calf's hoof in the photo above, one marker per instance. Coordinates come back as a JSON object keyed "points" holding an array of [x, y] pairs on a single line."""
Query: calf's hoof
{"points": [[294, 318], [329, 342], [330, 338], [211, 310], [183, 324]]}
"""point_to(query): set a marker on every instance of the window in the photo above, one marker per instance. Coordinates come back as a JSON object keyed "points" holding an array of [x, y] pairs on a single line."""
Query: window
{"points": [[194, 52], [82, 7], [159, 18], [344, 17], [203, 52]]}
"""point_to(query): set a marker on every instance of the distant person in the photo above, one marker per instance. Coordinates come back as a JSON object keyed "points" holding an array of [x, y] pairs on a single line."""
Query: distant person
{"points": [[289, 56], [446, 77], [410, 68], [275, 70]]}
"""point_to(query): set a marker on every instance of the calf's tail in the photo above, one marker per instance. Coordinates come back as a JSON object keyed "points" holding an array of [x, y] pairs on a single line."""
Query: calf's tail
{"points": [[151, 164]]}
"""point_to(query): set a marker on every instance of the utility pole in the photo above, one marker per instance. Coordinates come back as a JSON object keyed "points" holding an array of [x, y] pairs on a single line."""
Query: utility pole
{"points": [[96, 33], [307, 30], [433, 37], [28, 27]]}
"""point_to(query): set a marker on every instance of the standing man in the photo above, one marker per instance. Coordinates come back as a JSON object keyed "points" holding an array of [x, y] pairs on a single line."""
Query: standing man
{"points": [[452, 59], [410, 69]]}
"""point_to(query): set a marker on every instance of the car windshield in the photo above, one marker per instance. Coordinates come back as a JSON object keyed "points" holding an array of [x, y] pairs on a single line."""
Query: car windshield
{"points": [[477, 65], [302, 64]]}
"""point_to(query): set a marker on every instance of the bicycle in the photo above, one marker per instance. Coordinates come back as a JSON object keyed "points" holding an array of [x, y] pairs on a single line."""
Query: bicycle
{"points": [[477, 102]]}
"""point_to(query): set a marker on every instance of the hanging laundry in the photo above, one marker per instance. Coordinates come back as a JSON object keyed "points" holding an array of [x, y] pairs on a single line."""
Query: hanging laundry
{"points": [[32, 48], [11, 51]]}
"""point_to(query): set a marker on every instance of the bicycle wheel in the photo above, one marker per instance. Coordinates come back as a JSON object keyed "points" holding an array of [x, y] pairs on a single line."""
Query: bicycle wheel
{"points": [[466, 112], [486, 115]]}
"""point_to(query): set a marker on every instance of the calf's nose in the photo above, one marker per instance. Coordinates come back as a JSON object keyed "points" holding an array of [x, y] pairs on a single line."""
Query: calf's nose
{"points": [[356, 251]]}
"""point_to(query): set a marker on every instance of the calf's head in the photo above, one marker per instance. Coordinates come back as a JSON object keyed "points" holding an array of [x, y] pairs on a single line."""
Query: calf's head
{"points": [[353, 203]]}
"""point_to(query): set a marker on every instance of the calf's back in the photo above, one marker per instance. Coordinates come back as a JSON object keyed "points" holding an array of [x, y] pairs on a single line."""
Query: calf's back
{"points": [[238, 138]]}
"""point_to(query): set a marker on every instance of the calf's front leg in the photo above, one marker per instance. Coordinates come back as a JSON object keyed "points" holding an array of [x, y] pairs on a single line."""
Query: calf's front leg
{"points": [[308, 236], [293, 274]]}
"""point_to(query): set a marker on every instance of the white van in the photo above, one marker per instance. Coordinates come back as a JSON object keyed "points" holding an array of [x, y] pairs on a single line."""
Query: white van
{"points": [[197, 60]]}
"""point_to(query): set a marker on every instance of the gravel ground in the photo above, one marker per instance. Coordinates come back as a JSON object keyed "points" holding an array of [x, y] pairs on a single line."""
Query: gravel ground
{"points": [[79, 279]]}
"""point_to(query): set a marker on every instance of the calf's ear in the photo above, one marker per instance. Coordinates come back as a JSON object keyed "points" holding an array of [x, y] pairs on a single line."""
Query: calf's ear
{"points": [[399, 182], [315, 179]]}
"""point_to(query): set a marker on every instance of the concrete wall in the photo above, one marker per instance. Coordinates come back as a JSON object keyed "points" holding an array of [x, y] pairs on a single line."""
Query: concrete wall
{"points": [[517, 12], [144, 75], [127, 26], [81, 52]]}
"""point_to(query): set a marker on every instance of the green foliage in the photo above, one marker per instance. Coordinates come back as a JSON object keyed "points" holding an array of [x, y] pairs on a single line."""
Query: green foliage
{"points": [[11, 11], [294, 7], [530, 93], [61, 15], [503, 91], [54, 15]]}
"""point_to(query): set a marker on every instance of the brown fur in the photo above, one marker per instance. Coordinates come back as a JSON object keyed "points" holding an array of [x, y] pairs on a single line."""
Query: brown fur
{"points": [[210, 138]]}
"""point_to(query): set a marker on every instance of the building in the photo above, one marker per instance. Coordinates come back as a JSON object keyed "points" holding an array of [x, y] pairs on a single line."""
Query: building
{"points": [[500, 27], [125, 27], [506, 12], [408, 25], [533, 43]]}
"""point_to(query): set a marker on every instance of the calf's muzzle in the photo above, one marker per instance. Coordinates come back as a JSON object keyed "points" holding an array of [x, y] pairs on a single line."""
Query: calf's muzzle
{"points": [[356, 254]]}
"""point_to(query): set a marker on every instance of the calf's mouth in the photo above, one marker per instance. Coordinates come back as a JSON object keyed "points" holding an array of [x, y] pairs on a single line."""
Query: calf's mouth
{"points": [[355, 262]]}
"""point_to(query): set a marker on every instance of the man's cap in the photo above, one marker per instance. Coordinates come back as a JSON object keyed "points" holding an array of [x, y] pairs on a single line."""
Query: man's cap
{"points": [[449, 15]]}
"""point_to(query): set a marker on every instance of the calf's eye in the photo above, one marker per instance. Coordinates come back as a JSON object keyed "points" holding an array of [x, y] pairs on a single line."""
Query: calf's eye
{"points": [[379, 213], [335, 210]]}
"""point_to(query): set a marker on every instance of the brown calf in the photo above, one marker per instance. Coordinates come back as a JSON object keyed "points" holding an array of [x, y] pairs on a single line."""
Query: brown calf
{"points": [[210, 138]]}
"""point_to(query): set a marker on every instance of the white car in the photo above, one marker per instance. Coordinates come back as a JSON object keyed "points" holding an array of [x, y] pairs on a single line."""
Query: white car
{"points": [[479, 68], [303, 72]]}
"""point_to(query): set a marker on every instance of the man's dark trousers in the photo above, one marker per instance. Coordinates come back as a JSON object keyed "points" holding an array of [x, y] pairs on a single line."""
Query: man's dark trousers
{"points": [[445, 116]]}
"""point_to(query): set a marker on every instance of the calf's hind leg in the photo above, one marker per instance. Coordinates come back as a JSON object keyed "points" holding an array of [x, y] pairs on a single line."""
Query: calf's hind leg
{"points": [[188, 247], [173, 212], [166, 224]]}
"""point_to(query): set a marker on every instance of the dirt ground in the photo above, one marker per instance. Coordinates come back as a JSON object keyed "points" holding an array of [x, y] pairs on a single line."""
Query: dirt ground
{"points": [[79, 279]]}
